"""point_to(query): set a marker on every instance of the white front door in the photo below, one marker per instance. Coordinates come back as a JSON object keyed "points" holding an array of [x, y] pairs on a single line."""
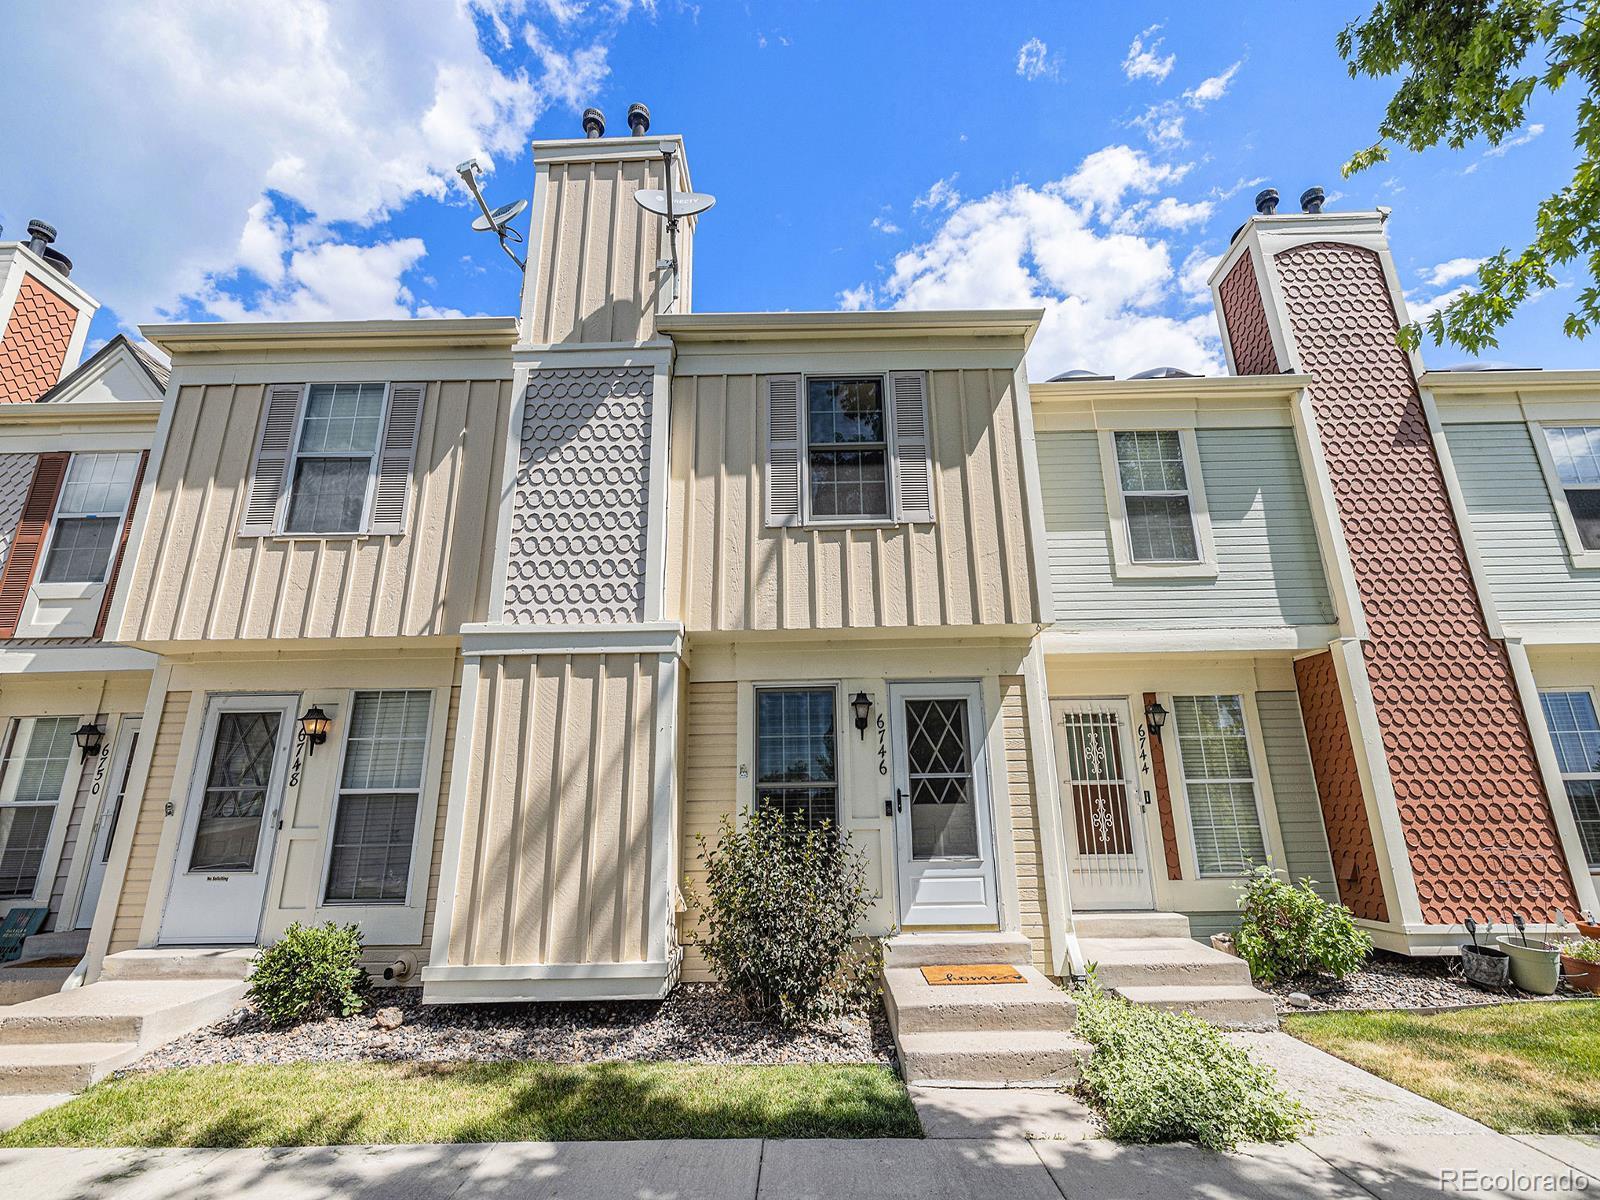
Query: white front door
{"points": [[219, 880], [113, 789], [943, 838], [1107, 859]]}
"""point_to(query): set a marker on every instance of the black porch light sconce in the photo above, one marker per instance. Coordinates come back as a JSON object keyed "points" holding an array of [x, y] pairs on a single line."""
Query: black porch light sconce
{"points": [[90, 737], [1155, 717], [315, 723], [861, 705]]}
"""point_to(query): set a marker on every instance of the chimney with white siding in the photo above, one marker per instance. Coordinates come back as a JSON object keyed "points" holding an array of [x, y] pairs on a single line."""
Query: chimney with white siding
{"points": [[44, 316]]}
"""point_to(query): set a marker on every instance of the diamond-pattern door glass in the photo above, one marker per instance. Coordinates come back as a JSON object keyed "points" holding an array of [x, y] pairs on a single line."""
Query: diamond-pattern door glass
{"points": [[939, 770], [237, 785]]}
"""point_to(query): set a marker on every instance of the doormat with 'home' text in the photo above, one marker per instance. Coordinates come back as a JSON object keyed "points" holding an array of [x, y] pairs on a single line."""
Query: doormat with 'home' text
{"points": [[976, 973]]}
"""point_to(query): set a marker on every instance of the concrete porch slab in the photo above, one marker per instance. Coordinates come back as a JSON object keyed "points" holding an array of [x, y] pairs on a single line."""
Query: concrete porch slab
{"points": [[14, 1110], [1002, 1113]]}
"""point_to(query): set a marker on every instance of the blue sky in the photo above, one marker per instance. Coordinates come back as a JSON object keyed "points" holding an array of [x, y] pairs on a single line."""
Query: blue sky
{"points": [[295, 160]]}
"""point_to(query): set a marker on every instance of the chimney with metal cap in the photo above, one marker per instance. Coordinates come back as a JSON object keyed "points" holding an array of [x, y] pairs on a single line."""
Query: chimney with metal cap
{"points": [[594, 123], [638, 119], [1267, 201], [1311, 200]]}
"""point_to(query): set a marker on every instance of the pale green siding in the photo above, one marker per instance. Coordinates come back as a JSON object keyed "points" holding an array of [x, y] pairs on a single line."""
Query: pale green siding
{"points": [[1269, 570], [1294, 787], [1514, 522]]}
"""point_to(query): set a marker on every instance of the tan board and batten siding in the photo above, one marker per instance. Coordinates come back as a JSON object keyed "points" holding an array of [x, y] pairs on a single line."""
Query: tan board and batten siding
{"points": [[195, 578], [149, 818], [555, 853], [728, 572], [1032, 904], [598, 279], [710, 755]]}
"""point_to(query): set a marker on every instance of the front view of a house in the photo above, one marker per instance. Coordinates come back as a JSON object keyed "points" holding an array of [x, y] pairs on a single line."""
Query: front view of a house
{"points": [[466, 631]]}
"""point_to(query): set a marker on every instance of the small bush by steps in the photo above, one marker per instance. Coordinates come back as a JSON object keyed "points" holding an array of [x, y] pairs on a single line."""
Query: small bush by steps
{"points": [[310, 972]]}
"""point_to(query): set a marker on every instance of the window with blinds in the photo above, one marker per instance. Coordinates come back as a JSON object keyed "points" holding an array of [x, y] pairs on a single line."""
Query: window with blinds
{"points": [[380, 783], [38, 753], [1214, 747], [1575, 450], [89, 513], [1155, 497], [796, 754], [1575, 730]]}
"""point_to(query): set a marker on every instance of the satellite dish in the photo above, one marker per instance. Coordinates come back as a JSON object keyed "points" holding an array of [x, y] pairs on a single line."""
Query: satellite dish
{"points": [[684, 204], [500, 217]]}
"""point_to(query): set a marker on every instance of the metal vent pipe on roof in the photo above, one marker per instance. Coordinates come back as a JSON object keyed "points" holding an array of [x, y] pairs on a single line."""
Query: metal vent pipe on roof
{"points": [[1267, 201], [594, 123], [40, 235], [639, 119], [1311, 200]]}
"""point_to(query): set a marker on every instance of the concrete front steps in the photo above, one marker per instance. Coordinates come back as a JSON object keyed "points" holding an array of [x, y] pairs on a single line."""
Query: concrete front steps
{"points": [[46, 963], [1150, 959], [1012, 1034], [68, 1040]]}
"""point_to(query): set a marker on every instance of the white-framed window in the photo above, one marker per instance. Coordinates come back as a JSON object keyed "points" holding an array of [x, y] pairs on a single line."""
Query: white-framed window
{"points": [[797, 760], [335, 454], [1219, 784], [1569, 455], [38, 753], [847, 449], [88, 519], [380, 787], [1160, 525], [1575, 730]]}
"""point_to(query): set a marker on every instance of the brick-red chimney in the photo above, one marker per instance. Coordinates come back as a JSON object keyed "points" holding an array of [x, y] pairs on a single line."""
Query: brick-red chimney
{"points": [[44, 317]]}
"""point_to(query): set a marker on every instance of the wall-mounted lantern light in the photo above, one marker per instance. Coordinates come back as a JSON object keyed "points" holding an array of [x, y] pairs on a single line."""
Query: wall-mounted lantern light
{"points": [[90, 738], [1155, 717], [315, 723], [862, 707]]}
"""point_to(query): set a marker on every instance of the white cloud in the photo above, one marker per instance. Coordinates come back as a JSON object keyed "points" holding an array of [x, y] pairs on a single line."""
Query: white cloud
{"points": [[942, 194], [1450, 270], [184, 144], [1215, 88], [565, 11], [857, 299], [333, 281], [1144, 60], [1034, 60], [885, 225], [1109, 295], [1522, 139], [1193, 275], [1168, 213], [1162, 124], [1421, 310]]}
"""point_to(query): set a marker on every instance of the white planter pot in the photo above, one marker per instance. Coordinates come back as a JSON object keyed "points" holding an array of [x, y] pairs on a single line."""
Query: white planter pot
{"points": [[1535, 967]]}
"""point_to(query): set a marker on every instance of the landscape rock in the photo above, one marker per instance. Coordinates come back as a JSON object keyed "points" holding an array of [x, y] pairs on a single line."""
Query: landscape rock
{"points": [[389, 1018]]}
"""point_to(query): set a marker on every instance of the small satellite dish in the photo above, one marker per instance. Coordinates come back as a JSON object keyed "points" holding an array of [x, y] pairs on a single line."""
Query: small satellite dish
{"points": [[500, 217], [684, 204]]}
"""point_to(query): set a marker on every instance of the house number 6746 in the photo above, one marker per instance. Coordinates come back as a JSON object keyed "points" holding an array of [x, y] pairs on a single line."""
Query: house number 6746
{"points": [[883, 745]]}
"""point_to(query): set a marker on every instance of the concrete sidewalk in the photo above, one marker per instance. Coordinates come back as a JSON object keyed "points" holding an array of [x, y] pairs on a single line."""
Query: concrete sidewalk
{"points": [[995, 1169]]}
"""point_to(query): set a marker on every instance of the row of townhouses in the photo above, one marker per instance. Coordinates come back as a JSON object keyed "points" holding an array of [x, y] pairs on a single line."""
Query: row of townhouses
{"points": [[464, 630]]}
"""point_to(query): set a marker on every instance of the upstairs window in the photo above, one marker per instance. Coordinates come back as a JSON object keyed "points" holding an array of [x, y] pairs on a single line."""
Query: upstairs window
{"points": [[797, 770], [1575, 730], [847, 442], [89, 514], [1575, 455], [1155, 497], [333, 459]]}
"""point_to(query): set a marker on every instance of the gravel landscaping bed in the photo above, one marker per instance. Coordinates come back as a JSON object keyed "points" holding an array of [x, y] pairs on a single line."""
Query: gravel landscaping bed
{"points": [[697, 1023], [1390, 981]]}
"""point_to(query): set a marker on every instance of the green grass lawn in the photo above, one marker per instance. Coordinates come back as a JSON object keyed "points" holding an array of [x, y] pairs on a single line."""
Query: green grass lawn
{"points": [[1519, 1068], [325, 1104]]}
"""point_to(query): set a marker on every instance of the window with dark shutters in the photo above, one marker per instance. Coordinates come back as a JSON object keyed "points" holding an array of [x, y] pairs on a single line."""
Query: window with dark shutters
{"points": [[23, 560]]}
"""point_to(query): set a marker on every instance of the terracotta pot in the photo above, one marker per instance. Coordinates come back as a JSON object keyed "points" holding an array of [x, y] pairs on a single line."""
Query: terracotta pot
{"points": [[1588, 930], [1585, 976]]}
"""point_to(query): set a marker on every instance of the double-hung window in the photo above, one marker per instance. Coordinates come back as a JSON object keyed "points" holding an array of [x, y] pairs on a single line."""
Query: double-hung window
{"points": [[1575, 729], [1574, 456], [1156, 504], [847, 448], [1219, 784], [339, 432], [797, 770], [380, 785], [88, 517], [32, 775]]}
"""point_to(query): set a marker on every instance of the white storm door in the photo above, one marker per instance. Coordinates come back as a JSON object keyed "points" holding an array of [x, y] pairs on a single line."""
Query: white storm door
{"points": [[943, 831], [114, 789], [1108, 864], [219, 880]]}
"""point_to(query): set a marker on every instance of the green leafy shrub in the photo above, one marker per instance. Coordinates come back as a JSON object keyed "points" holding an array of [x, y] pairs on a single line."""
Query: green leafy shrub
{"points": [[781, 906], [1287, 931], [309, 973], [1583, 949], [1160, 1076]]}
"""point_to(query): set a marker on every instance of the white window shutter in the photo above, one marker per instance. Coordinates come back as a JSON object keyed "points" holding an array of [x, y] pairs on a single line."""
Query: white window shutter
{"points": [[782, 404], [395, 457], [270, 468], [913, 458]]}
